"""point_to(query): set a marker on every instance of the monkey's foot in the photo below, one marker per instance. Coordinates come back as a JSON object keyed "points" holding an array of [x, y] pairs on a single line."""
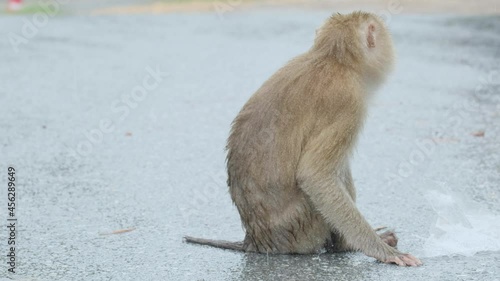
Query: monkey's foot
{"points": [[390, 238], [404, 260]]}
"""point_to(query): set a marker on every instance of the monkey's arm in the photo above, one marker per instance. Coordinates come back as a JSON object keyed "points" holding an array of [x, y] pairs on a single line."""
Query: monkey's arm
{"points": [[320, 172]]}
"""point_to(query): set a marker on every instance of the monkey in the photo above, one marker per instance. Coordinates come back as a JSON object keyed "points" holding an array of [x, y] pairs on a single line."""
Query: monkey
{"points": [[289, 147]]}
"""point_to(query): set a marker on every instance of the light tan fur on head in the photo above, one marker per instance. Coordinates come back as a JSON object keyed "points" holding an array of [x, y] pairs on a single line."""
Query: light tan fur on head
{"points": [[360, 41]]}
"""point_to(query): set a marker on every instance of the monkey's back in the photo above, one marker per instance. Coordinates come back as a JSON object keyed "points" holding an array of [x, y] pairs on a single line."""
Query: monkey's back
{"points": [[264, 149]]}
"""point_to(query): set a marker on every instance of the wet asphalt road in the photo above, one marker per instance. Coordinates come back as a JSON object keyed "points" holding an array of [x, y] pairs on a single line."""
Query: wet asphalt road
{"points": [[91, 160]]}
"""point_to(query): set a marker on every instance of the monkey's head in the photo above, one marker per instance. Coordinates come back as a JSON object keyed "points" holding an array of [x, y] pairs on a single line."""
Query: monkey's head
{"points": [[359, 41]]}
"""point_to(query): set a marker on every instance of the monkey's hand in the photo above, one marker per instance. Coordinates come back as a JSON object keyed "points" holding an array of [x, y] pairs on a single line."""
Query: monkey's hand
{"points": [[389, 254], [403, 260]]}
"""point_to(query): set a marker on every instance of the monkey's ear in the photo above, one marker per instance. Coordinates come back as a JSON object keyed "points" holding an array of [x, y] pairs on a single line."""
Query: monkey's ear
{"points": [[371, 35]]}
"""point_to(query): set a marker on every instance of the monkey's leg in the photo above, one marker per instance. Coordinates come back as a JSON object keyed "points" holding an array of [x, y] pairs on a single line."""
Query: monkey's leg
{"points": [[340, 245], [347, 181], [341, 214], [389, 237], [330, 198]]}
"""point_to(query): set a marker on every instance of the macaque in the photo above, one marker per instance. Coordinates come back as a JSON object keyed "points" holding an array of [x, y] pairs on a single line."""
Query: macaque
{"points": [[289, 147]]}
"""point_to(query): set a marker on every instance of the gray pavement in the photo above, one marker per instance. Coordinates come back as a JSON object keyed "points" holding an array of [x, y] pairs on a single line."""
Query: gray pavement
{"points": [[91, 159]]}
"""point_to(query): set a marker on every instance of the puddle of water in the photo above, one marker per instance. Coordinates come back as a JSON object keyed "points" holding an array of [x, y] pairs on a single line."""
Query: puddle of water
{"points": [[462, 227]]}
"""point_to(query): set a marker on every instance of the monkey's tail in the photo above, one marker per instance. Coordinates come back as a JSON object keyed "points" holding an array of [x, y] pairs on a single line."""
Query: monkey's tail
{"points": [[235, 246]]}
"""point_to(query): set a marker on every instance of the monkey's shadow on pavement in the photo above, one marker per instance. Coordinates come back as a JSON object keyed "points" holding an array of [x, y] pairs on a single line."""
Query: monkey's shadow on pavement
{"points": [[347, 266]]}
